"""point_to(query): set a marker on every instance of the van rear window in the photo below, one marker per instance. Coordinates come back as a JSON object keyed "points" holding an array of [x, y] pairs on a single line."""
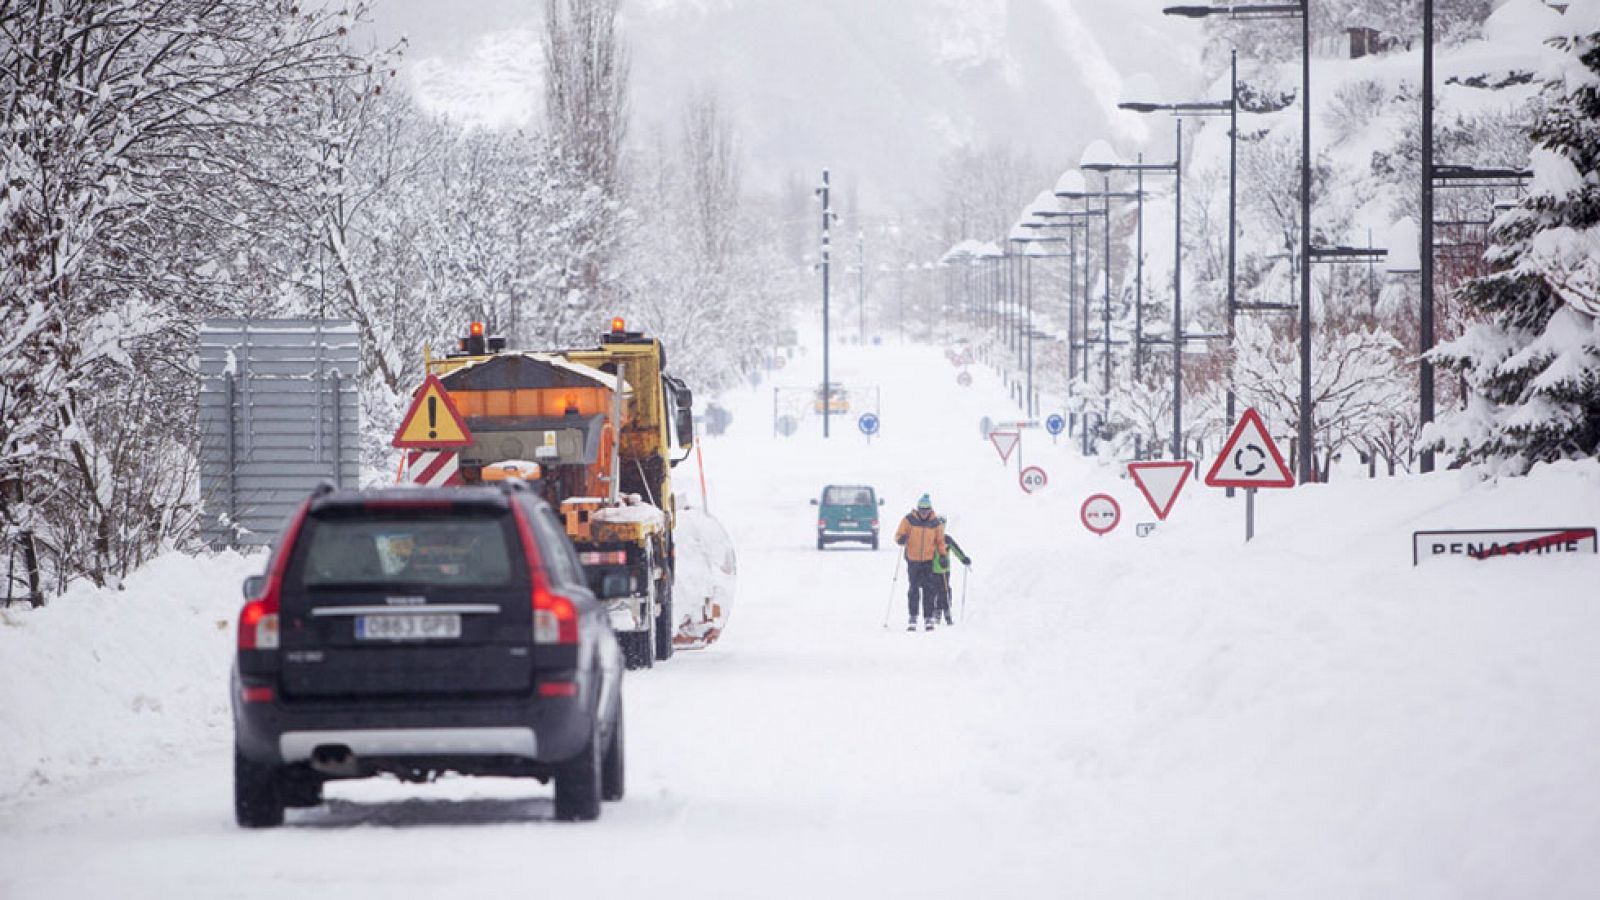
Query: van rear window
{"points": [[415, 551], [847, 496]]}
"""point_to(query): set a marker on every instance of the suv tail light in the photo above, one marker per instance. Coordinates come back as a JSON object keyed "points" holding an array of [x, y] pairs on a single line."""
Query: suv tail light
{"points": [[258, 620], [555, 618], [822, 523]]}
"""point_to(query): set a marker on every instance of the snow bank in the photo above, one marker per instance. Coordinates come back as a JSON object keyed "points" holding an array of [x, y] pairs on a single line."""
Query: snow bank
{"points": [[111, 681]]}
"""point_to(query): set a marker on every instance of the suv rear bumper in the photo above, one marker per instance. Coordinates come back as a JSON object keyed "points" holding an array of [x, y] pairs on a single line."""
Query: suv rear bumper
{"points": [[540, 730]]}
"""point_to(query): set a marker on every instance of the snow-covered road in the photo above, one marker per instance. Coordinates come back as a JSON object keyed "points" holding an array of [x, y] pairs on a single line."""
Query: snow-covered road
{"points": [[1177, 716]]}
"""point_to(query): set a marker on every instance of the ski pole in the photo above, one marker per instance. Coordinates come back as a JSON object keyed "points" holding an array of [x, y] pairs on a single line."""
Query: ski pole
{"points": [[966, 576], [889, 604]]}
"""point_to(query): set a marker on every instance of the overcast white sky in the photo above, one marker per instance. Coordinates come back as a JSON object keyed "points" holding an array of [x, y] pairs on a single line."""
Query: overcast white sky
{"points": [[878, 90]]}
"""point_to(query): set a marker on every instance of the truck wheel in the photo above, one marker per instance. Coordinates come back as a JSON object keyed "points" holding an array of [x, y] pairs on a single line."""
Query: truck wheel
{"points": [[257, 793], [578, 782], [638, 650], [613, 769], [664, 623]]}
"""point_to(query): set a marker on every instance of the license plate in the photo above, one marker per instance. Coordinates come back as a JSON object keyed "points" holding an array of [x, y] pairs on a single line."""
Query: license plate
{"points": [[409, 627], [848, 524]]}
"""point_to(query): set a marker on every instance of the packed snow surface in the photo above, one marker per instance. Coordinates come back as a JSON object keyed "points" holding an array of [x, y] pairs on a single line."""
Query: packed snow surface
{"points": [[1180, 715]]}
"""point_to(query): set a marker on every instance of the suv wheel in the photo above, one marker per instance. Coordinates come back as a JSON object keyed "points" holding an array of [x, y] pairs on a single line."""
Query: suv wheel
{"points": [[257, 793], [613, 768], [821, 541], [874, 540], [578, 782], [664, 623]]}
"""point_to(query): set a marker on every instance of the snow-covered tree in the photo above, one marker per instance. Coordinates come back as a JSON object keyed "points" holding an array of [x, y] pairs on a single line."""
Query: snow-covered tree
{"points": [[1533, 362]]}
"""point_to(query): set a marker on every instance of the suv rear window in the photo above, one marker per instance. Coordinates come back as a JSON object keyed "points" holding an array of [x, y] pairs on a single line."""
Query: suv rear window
{"points": [[454, 551], [847, 496]]}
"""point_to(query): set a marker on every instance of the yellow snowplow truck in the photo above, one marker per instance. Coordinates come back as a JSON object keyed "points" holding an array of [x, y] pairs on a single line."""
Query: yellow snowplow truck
{"points": [[597, 431]]}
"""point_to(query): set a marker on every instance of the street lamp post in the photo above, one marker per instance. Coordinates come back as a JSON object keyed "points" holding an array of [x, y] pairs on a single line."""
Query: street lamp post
{"points": [[827, 223], [1176, 168], [1302, 10], [1230, 108]]}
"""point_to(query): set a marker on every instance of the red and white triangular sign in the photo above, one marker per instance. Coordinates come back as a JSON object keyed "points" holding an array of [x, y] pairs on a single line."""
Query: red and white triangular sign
{"points": [[1005, 442], [432, 421], [1250, 459], [1161, 482]]}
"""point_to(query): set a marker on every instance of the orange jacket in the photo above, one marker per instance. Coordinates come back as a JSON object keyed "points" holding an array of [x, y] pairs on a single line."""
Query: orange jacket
{"points": [[922, 537]]}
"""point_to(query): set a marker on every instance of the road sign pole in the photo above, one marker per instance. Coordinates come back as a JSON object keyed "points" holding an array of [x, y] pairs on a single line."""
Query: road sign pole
{"points": [[1249, 514]]}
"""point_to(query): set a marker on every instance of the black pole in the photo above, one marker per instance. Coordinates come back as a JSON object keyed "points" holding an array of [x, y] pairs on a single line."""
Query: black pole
{"points": [[1105, 313], [1425, 388], [1233, 228], [861, 280], [1307, 468], [1177, 295], [827, 216], [1072, 316], [1138, 276], [1028, 264]]}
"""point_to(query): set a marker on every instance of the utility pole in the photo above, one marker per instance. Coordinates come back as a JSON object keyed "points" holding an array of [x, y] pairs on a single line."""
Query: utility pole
{"points": [[827, 252]]}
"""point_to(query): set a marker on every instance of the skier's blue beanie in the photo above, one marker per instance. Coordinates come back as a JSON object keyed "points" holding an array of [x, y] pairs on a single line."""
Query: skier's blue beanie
{"points": [[924, 503]]}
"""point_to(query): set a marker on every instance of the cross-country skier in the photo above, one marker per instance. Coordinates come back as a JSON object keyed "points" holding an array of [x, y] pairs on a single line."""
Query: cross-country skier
{"points": [[922, 534], [941, 572]]}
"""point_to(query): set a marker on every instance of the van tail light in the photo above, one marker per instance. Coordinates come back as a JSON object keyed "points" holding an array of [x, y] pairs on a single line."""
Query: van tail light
{"points": [[555, 618], [822, 523], [874, 523]]}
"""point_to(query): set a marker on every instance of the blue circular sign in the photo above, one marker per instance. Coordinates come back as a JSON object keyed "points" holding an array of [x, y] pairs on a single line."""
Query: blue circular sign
{"points": [[868, 423], [1055, 423]]}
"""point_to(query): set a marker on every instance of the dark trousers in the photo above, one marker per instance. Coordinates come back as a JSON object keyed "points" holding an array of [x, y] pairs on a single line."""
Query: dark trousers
{"points": [[924, 584]]}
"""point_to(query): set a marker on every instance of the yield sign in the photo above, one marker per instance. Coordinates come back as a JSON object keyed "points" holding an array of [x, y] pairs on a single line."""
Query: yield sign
{"points": [[433, 420], [1160, 482], [1249, 459], [1005, 442]]}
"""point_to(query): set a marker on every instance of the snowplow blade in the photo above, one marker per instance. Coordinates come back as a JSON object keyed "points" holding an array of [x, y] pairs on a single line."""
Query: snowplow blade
{"points": [[707, 571]]}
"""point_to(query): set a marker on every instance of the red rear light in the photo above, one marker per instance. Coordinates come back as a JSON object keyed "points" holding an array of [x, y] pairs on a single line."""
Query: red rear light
{"points": [[874, 523], [258, 620], [256, 695], [558, 689], [822, 523], [555, 619], [258, 623]]}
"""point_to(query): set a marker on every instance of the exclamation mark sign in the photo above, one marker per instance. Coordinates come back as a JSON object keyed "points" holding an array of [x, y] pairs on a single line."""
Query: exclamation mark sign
{"points": [[433, 417]]}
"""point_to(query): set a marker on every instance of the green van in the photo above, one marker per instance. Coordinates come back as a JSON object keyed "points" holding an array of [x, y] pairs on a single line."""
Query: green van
{"points": [[847, 512]]}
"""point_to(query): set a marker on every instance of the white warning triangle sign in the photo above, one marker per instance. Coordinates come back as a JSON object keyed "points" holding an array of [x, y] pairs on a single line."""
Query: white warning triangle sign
{"points": [[1161, 482], [1250, 459], [433, 420], [1005, 442]]}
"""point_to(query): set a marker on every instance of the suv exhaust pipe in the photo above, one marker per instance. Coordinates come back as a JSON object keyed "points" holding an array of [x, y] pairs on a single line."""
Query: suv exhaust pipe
{"points": [[334, 759]]}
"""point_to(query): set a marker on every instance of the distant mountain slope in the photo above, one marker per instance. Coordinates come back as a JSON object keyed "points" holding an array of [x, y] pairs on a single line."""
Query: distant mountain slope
{"points": [[877, 90]]}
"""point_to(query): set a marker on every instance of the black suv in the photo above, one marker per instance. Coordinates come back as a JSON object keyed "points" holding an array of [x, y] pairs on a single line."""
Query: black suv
{"points": [[419, 631]]}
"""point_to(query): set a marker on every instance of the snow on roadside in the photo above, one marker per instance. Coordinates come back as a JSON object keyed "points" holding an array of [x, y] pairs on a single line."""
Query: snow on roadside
{"points": [[104, 681]]}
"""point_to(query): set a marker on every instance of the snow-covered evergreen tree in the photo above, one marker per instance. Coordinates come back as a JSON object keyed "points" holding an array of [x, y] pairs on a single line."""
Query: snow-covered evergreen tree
{"points": [[1533, 362]]}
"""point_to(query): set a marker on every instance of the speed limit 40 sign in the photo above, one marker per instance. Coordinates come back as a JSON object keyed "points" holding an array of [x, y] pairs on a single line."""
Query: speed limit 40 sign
{"points": [[1033, 479]]}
